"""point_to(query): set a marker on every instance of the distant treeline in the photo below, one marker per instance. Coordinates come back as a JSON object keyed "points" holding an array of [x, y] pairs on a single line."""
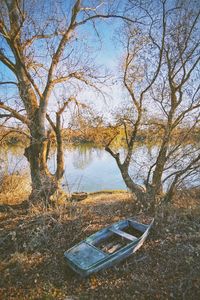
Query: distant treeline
{"points": [[101, 136]]}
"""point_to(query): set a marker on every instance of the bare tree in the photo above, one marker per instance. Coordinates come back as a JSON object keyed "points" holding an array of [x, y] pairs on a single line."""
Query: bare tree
{"points": [[160, 74], [41, 53]]}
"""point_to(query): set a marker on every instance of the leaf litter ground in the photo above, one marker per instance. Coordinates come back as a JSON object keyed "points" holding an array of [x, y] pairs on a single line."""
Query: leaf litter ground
{"points": [[32, 243]]}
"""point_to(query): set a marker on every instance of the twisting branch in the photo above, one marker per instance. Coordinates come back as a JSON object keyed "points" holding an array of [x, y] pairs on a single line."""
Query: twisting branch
{"points": [[15, 114]]}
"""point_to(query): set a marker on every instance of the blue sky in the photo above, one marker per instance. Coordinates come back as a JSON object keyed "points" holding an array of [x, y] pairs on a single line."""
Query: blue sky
{"points": [[108, 54]]}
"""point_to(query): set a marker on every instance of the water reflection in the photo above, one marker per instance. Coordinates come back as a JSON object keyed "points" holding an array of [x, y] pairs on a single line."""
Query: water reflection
{"points": [[12, 160], [91, 169], [82, 157], [87, 168]]}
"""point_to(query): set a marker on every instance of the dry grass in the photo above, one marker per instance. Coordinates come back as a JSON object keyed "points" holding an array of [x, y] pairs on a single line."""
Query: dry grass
{"points": [[14, 188]]}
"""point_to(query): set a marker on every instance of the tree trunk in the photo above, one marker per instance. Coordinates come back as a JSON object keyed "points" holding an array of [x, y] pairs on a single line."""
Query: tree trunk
{"points": [[60, 157], [136, 189], [147, 199], [44, 184], [60, 153]]}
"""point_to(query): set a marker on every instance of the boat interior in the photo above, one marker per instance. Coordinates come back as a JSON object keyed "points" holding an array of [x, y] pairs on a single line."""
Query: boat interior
{"points": [[116, 237]]}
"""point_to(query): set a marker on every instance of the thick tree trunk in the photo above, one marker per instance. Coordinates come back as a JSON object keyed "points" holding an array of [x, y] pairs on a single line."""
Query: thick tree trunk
{"points": [[44, 184]]}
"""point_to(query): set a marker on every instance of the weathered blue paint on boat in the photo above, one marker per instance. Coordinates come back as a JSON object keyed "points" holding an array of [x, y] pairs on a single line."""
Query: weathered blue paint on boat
{"points": [[86, 257]]}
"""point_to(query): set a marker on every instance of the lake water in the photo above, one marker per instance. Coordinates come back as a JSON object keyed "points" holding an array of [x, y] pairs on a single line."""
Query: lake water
{"points": [[88, 168]]}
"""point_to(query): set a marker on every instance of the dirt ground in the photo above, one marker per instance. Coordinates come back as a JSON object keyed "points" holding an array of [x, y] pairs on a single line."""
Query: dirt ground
{"points": [[32, 244]]}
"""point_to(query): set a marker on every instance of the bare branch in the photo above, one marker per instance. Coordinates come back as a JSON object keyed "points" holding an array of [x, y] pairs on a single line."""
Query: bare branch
{"points": [[109, 16], [51, 122], [9, 82], [14, 113], [161, 50], [28, 42], [179, 173], [56, 57], [7, 62]]}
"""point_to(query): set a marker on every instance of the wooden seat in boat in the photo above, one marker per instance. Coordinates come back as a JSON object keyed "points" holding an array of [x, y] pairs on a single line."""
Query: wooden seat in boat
{"points": [[123, 234]]}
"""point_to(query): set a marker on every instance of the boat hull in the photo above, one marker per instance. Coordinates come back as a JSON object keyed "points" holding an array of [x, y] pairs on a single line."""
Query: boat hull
{"points": [[86, 258]]}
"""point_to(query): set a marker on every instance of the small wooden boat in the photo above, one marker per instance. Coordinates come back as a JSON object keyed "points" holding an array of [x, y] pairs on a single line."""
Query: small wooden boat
{"points": [[107, 246]]}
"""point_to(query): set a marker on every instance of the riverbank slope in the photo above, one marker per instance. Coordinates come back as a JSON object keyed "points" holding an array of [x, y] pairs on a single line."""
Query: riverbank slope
{"points": [[33, 242]]}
